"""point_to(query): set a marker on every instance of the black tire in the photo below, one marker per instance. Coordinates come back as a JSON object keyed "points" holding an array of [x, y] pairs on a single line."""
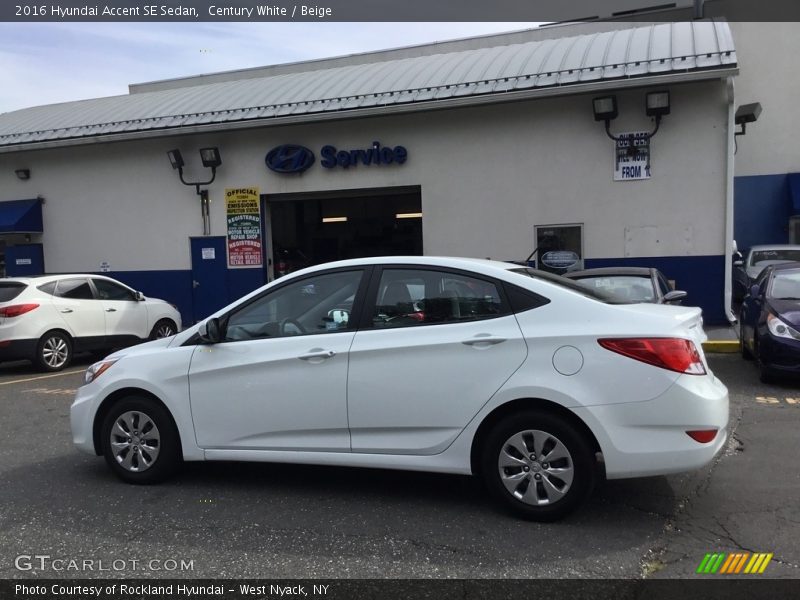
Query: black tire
{"points": [[746, 354], [764, 375], [53, 352], [551, 497], [163, 328], [159, 445]]}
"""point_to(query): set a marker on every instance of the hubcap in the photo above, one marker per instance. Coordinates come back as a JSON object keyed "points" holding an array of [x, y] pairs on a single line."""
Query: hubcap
{"points": [[538, 481], [135, 441], [55, 352]]}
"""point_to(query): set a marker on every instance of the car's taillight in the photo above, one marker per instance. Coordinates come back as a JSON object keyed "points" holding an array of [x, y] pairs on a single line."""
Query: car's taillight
{"points": [[16, 310], [703, 436], [675, 354]]}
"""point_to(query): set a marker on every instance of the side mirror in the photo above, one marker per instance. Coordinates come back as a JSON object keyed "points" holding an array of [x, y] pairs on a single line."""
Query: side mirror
{"points": [[209, 331], [674, 296], [139, 297], [754, 290]]}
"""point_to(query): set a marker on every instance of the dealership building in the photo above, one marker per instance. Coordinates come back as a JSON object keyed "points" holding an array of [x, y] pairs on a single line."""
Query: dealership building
{"points": [[595, 144]]}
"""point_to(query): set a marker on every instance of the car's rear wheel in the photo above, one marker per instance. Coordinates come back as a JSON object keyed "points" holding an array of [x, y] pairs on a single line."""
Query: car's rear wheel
{"points": [[140, 441], [538, 465], [163, 328], [54, 351]]}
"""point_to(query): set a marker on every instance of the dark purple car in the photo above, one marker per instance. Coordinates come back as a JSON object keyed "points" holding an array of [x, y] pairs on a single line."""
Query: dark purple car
{"points": [[769, 329]]}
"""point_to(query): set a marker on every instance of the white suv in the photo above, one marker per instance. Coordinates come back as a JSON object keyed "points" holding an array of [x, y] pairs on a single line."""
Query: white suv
{"points": [[47, 319]]}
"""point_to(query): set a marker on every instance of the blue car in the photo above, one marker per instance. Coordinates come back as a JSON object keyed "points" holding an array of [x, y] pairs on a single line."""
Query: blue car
{"points": [[769, 321]]}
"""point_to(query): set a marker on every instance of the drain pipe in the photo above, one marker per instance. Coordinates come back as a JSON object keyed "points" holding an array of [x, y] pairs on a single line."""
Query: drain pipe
{"points": [[729, 173], [698, 9]]}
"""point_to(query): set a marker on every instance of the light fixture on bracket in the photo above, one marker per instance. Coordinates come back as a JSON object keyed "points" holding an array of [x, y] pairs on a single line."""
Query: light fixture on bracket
{"points": [[746, 113], [211, 159], [657, 104]]}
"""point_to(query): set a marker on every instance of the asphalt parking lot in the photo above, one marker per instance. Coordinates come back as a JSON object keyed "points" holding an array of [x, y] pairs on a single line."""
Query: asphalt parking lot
{"points": [[279, 521]]}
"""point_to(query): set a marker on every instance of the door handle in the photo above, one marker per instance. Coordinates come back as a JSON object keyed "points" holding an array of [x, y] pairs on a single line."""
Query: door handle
{"points": [[111, 310], [66, 310], [483, 340], [317, 355]]}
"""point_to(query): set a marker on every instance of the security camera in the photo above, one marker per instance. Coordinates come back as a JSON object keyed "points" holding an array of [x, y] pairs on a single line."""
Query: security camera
{"points": [[748, 113]]}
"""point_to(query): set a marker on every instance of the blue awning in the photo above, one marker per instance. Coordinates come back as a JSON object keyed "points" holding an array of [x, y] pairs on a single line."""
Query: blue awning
{"points": [[794, 191], [21, 216]]}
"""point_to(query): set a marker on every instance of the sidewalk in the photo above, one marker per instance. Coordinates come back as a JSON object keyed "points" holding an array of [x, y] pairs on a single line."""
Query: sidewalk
{"points": [[722, 338]]}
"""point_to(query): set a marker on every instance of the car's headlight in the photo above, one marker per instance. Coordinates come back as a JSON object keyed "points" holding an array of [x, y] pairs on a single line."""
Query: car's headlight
{"points": [[780, 329], [97, 369]]}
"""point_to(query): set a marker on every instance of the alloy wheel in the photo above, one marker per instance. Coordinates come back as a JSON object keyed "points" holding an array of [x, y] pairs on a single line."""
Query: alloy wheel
{"points": [[536, 467], [135, 441], [55, 352], [164, 330]]}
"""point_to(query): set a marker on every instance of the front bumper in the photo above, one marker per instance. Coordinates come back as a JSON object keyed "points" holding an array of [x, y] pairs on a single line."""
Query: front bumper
{"points": [[81, 417], [779, 355], [640, 439]]}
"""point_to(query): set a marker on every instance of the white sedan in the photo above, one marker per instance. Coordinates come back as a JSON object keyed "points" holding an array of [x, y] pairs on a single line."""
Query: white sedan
{"points": [[47, 319], [532, 381]]}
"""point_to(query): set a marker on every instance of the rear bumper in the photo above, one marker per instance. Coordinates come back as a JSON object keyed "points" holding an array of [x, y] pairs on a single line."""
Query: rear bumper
{"points": [[641, 439], [18, 349]]}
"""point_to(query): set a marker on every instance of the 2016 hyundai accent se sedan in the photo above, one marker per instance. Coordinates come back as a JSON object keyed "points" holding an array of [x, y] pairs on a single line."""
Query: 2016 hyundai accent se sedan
{"points": [[532, 381]]}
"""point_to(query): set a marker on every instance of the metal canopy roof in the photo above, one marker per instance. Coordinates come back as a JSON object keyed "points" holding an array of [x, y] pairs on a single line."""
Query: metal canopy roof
{"points": [[703, 49]]}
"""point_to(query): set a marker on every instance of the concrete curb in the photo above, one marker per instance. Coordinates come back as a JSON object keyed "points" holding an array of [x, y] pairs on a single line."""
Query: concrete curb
{"points": [[721, 346]]}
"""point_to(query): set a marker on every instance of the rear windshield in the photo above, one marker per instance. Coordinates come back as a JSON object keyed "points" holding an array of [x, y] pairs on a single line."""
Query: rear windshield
{"points": [[10, 290], [593, 293]]}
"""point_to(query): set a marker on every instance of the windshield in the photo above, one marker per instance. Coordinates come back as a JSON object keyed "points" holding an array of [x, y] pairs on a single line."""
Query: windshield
{"points": [[786, 285], [768, 257], [593, 293]]}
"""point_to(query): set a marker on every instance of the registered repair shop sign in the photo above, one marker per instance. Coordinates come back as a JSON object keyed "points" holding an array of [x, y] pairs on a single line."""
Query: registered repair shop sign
{"points": [[632, 156]]}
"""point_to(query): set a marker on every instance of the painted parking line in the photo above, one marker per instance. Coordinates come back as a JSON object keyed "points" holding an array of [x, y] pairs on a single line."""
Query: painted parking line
{"points": [[38, 377], [51, 391], [772, 400]]}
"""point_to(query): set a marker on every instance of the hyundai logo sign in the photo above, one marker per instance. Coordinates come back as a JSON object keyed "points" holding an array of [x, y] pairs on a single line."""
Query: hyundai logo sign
{"points": [[289, 158], [560, 259]]}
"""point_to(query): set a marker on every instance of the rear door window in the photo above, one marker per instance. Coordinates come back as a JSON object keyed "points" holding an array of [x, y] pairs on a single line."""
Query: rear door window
{"points": [[75, 289]]}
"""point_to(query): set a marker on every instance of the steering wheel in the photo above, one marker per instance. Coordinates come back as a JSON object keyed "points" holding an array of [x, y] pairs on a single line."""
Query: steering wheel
{"points": [[292, 322]]}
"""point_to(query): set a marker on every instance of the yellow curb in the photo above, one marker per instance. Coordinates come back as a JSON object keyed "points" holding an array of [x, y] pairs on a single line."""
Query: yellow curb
{"points": [[721, 346]]}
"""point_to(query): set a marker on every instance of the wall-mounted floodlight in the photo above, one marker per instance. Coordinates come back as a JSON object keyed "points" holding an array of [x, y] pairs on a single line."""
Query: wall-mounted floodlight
{"points": [[175, 159], [23, 174], [211, 159], [747, 113], [656, 105], [605, 108]]}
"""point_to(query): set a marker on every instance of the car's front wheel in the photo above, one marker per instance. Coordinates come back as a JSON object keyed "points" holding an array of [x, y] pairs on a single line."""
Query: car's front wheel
{"points": [[140, 441], [538, 465], [163, 328], [746, 354], [54, 351]]}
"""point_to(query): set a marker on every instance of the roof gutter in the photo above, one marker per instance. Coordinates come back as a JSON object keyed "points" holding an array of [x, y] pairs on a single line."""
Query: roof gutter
{"points": [[379, 111]]}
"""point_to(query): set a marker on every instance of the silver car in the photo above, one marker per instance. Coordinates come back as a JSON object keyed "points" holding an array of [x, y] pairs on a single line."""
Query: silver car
{"points": [[764, 256]]}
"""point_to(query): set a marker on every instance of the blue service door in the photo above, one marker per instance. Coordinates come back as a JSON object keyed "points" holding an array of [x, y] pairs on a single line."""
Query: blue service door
{"points": [[210, 285], [24, 260]]}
